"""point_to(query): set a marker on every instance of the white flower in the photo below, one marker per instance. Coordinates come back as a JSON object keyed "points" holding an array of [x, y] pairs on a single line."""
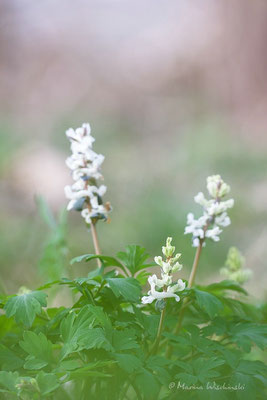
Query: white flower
{"points": [[200, 199], [223, 220], [153, 294], [217, 208], [168, 267], [196, 226], [214, 233], [196, 242], [86, 215], [165, 281], [217, 187], [178, 287], [85, 195], [212, 185], [78, 133], [214, 212], [158, 260], [177, 267]]}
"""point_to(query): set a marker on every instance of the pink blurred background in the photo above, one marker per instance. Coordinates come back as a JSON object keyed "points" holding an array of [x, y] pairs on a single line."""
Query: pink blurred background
{"points": [[174, 91]]}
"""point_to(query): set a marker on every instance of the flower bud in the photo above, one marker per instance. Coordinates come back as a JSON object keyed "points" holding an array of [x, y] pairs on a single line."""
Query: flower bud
{"points": [[158, 260], [160, 304], [224, 189], [166, 267], [177, 267], [213, 185], [168, 250]]}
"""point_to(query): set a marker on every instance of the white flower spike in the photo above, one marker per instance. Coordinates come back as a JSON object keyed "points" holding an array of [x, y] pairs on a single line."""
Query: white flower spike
{"points": [[85, 195], [165, 284], [214, 212]]}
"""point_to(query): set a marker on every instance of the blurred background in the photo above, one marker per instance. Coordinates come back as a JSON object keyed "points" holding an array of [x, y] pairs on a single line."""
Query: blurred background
{"points": [[174, 91]]}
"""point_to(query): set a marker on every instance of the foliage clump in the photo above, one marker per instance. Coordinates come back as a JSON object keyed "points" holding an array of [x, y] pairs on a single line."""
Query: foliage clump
{"points": [[116, 343]]}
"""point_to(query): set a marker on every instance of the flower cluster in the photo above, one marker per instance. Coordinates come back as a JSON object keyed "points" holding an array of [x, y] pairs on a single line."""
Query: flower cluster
{"points": [[214, 212], [165, 284], [233, 269], [85, 195]]}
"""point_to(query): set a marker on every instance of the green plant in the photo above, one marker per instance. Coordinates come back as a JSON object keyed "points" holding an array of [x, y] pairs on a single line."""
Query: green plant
{"points": [[116, 343]]}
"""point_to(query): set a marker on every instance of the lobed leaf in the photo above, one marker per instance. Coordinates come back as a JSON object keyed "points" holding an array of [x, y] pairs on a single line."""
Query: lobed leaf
{"points": [[225, 285], [134, 258], [128, 288], [245, 334], [24, 307], [208, 303], [47, 383], [39, 349], [128, 362], [9, 360]]}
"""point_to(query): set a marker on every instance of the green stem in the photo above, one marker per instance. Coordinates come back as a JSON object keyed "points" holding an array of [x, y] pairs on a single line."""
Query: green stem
{"points": [[190, 284], [125, 390], [139, 397], [185, 303], [160, 327]]}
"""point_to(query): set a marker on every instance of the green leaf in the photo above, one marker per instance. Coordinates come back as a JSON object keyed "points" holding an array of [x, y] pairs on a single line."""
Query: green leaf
{"points": [[124, 340], [231, 356], [47, 383], [142, 277], [39, 349], [134, 258], [68, 365], [187, 379], [250, 385], [9, 360], [208, 303], [128, 288], [225, 285], [91, 370], [24, 307], [185, 366], [8, 380], [8, 325], [128, 362], [106, 260], [147, 384], [101, 318], [252, 367], [73, 329], [245, 334], [243, 310], [95, 339], [199, 370], [159, 366], [205, 368], [78, 331], [218, 326]]}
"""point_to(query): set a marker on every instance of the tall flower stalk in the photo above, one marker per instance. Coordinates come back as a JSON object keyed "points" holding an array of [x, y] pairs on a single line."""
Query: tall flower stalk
{"points": [[209, 225], [164, 288], [85, 194]]}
